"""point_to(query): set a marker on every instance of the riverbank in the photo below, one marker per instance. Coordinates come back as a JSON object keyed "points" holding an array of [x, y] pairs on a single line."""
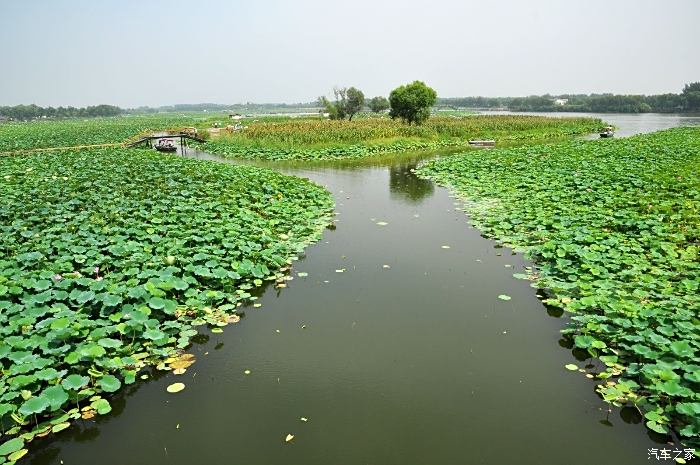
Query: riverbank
{"points": [[113, 259], [614, 227]]}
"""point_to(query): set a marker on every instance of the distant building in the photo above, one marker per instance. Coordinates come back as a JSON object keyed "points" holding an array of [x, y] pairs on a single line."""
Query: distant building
{"points": [[235, 116], [561, 101]]}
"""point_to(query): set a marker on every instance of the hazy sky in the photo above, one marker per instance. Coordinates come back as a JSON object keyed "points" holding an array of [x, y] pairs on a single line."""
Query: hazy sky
{"points": [[156, 52]]}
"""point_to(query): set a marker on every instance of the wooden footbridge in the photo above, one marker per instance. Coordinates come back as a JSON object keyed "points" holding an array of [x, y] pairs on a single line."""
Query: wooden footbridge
{"points": [[184, 137], [146, 140]]}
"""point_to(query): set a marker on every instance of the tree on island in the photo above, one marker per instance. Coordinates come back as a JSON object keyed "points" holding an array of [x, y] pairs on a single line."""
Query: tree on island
{"points": [[412, 102], [378, 104], [348, 102]]}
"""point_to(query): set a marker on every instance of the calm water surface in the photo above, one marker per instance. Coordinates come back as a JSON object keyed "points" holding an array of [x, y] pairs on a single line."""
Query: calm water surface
{"points": [[626, 124], [406, 357]]}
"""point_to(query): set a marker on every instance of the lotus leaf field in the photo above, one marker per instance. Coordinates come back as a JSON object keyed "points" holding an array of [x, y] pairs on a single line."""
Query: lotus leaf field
{"points": [[295, 139], [614, 226], [111, 259], [63, 133], [314, 139]]}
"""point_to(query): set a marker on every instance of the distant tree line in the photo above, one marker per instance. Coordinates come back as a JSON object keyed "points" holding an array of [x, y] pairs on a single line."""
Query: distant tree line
{"points": [[248, 107], [686, 101], [27, 112]]}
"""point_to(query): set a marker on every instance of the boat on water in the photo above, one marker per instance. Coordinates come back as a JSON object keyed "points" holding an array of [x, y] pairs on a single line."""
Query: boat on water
{"points": [[482, 143], [166, 145], [607, 132]]}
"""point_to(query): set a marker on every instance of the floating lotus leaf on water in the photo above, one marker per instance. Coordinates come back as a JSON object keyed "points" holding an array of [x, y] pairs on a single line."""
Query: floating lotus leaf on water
{"points": [[101, 406], [60, 427], [13, 445], [182, 361], [175, 387], [13, 457], [504, 297]]}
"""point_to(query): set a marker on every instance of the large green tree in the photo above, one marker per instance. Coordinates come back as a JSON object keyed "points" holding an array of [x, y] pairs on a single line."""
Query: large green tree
{"points": [[412, 102]]}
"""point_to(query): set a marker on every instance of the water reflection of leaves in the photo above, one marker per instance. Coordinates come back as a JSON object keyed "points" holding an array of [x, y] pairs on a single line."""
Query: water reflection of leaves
{"points": [[405, 184]]}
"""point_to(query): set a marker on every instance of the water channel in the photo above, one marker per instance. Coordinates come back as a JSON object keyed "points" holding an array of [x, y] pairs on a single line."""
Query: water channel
{"points": [[405, 357]]}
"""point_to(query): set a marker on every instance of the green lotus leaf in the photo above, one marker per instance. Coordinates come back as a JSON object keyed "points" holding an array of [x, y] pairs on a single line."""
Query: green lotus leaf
{"points": [[683, 349], [111, 300], [5, 409], [60, 323], [13, 445], [85, 297], [584, 342], [102, 406], [156, 303], [60, 427], [56, 396], [75, 382], [154, 334], [691, 409], [109, 383], [34, 405], [109, 343], [92, 351], [42, 284]]}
